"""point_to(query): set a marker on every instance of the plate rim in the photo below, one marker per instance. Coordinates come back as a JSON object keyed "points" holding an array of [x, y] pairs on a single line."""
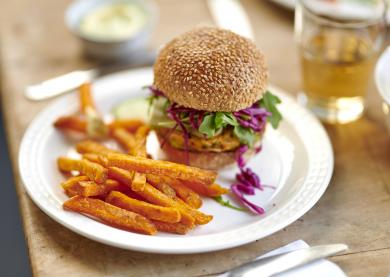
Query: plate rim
{"points": [[380, 69], [182, 250]]}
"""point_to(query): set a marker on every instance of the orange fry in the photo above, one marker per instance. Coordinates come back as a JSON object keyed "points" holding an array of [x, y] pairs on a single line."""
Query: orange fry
{"points": [[200, 218], [142, 132], [90, 188], [94, 171], [139, 148], [86, 189], [212, 190], [154, 196], [71, 123], [139, 182], [185, 173], [72, 182], [121, 175], [110, 214], [129, 124], [135, 145], [150, 211], [86, 100], [124, 138], [90, 146], [180, 201], [175, 228], [186, 194], [158, 183], [92, 157]]}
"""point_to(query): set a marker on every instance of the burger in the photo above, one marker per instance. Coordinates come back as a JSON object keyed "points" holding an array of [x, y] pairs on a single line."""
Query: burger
{"points": [[210, 100]]}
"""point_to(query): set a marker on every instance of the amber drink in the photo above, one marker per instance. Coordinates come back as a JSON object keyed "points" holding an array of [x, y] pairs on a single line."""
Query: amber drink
{"points": [[337, 60]]}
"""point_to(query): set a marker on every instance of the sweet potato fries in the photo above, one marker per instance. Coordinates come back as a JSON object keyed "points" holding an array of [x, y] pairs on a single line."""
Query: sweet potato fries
{"points": [[129, 190]]}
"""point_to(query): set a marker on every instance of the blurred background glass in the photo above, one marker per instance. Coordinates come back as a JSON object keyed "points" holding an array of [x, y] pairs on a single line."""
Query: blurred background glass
{"points": [[339, 42]]}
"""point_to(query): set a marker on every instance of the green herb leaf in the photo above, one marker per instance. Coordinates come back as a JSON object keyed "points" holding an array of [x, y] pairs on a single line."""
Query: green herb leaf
{"points": [[226, 203], [245, 135], [269, 102], [207, 127], [223, 119], [150, 99]]}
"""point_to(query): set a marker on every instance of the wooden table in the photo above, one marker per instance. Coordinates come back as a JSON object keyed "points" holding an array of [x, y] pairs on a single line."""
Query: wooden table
{"points": [[354, 210]]}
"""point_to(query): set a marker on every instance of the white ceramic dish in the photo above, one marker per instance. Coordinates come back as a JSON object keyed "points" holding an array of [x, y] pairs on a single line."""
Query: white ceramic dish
{"points": [[297, 159], [382, 80], [111, 50], [290, 4]]}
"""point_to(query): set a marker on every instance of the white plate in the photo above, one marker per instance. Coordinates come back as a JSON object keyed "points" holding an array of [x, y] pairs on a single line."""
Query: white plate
{"points": [[382, 75], [290, 4], [382, 80], [297, 159]]}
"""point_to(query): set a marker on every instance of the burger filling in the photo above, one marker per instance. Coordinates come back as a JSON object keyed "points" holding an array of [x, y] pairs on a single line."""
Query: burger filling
{"points": [[202, 131]]}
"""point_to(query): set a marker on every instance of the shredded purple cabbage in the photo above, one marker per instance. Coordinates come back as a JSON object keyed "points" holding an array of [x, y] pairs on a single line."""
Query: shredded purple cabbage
{"points": [[247, 181], [253, 117], [235, 189], [155, 91], [175, 116]]}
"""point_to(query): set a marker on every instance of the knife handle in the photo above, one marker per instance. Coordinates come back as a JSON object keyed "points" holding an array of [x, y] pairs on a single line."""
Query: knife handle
{"points": [[59, 85]]}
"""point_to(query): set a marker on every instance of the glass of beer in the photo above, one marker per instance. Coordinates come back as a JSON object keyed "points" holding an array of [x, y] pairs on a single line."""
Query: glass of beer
{"points": [[339, 41]]}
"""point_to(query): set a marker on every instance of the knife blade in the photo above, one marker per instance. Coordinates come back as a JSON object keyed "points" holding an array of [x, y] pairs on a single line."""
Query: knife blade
{"points": [[231, 15], [70, 81], [279, 263]]}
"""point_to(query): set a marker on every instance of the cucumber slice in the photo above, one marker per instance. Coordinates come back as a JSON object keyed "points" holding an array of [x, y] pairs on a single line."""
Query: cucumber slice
{"points": [[132, 108]]}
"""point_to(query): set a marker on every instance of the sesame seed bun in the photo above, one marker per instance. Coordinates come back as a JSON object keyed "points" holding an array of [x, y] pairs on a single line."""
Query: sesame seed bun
{"points": [[211, 69]]}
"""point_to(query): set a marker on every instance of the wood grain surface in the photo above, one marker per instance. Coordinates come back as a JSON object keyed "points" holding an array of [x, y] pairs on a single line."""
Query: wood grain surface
{"points": [[35, 45]]}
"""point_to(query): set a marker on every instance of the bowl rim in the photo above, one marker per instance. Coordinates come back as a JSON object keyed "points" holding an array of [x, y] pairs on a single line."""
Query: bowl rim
{"points": [[380, 69], [149, 6]]}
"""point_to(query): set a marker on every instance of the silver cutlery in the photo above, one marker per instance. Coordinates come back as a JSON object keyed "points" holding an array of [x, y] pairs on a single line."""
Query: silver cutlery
{"points": [[231, 15], [70, 81], [279, 263]]}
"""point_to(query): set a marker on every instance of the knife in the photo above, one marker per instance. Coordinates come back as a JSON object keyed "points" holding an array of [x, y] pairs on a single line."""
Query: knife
{"points": [[279, 263], [231, 15], [70, 81]]}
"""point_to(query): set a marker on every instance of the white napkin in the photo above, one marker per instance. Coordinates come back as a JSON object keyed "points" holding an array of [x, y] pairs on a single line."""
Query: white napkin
{"points": [[318, 268]]}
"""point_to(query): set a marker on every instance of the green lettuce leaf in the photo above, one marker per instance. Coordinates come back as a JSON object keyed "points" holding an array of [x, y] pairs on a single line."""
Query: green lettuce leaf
{"points": [[223, 119], [245, 135], [269, 102], [207, 127]]}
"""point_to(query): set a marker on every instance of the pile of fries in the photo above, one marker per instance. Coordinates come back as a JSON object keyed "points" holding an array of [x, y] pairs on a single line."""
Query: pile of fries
{"points": [[128, 189]]}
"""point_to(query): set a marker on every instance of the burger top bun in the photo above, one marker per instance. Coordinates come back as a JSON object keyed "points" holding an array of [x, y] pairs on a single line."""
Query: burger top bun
{"points": [[211, 69]]}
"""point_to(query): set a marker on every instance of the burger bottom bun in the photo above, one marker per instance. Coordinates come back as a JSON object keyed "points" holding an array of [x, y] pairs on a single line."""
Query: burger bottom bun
{"points": [[205, 160]]}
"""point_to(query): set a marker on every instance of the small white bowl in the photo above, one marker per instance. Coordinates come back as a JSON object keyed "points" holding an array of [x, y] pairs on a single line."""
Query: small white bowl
{"points": [[382, 80], [111, 49]]}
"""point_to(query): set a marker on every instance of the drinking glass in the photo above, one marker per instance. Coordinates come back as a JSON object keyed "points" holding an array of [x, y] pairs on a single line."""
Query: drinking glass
{"points": [[339, 41]]}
